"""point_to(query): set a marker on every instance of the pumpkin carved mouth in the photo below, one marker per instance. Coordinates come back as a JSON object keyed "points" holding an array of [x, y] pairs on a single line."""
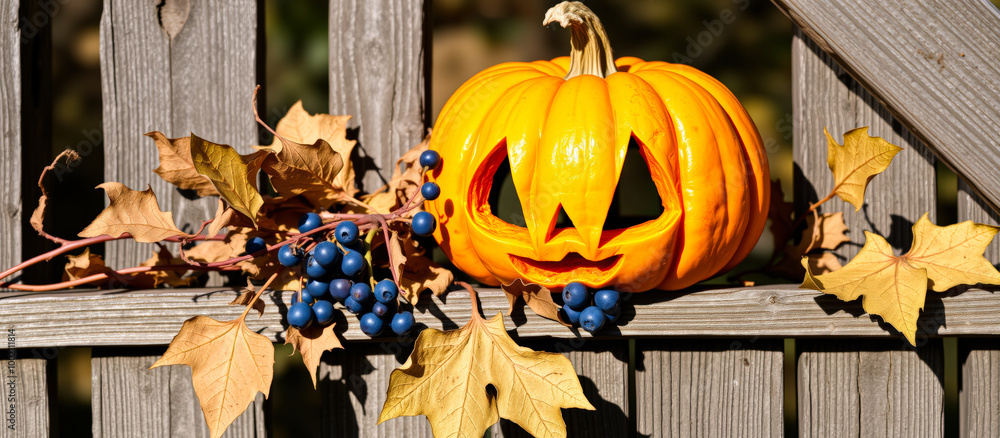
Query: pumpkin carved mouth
{"points": [[571, 268]]}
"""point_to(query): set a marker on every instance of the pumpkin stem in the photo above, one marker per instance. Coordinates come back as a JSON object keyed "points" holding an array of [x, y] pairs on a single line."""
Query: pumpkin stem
{"points": [[590, 51]]}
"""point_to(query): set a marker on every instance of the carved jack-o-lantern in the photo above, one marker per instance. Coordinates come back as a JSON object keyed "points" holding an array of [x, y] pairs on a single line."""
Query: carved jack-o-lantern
{"points": [[565, 127]]}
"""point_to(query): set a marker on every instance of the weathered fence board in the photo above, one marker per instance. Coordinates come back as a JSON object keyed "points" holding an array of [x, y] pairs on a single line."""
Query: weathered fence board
{"points": [[201, 81], [153, 317], [130, 400], [933, 63], [377, 75], [602, 367], [31, 402], [10, 133], [354, 384], [870, 388], [729, 387]]}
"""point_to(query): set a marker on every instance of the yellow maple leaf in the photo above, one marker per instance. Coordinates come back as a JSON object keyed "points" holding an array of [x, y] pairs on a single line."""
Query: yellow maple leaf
{"points": [[134, 212], [311, 342], [446, 378], [856, 162], [232, 177], [229, 364], [895, 287]]}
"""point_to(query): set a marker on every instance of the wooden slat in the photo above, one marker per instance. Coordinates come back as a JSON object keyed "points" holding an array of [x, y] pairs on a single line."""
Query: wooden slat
{"points": [[870, 388], [10, 133], [933, 63], [729, 387], [979, 387], [153, 317], [31, 400], [200, 82], [824, 96], [979, 359], [855, 388], [602, 367], [377, 75], [354, 384], [130, 400]]}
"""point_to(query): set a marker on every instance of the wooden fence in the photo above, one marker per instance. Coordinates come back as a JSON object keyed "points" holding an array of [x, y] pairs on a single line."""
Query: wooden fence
{"points": [[923, 74]]}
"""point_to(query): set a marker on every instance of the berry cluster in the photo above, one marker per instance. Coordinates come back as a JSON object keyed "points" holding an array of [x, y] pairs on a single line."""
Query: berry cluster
{"points": [[339, 271], [590, 312]]}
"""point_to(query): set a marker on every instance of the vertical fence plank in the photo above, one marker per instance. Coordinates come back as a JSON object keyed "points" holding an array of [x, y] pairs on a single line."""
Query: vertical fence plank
{"points": [[27, 416], [130, 400], [602, 368], [844, 402], [201, 82], [979, 359], [354, 383], [377, 76], [709, 387], [10, 133], [870, 388]]}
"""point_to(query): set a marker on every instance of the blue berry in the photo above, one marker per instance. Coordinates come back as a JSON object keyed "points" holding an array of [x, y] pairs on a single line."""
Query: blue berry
{"points": [[386, 291], [340, 289], [429, 159], [423, 223], [361, 292], [255, 244], [352, 264], [371, 324], [314, 269], [606, 299], [300, 315], [402, 323], [430, 191], [289, 256], [309, 222], [613, 315], [384, 309], [306, 297], [575, 296], [353, 306], [592, 319], [346, 232], [572, 316], [326, 253], [317, 288], [323, 310]]}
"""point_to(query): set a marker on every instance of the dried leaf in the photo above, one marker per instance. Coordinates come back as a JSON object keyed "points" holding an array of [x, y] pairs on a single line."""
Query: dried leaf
{"points": [[824, 263], [895, 287], [133, 212], [404, 184], [538, 298], [300, 127], [311, 342], [84, 265], [230, 174], [177, 166], [446, 376], [307, 170], [152, 279], [953, 255], [211, 251], [829, 233], [62, 161], [229, 365], [856, 162], [246, 296], [421, 274]]}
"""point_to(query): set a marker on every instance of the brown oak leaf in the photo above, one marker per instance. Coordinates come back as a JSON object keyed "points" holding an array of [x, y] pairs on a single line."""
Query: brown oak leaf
{"points": [[177, 166], [537, 297]]}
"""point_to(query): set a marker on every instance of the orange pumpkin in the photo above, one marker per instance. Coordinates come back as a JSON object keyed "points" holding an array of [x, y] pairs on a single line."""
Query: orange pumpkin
{"points": [[565, 126]]}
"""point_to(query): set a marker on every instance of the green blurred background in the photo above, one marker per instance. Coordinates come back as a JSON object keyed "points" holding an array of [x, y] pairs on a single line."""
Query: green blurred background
{"points": [[750, 55]]}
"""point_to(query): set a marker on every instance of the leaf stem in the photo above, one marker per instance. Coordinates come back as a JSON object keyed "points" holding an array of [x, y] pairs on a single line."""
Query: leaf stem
{"points": [[257, 295], [102, 276], [474, 299]]}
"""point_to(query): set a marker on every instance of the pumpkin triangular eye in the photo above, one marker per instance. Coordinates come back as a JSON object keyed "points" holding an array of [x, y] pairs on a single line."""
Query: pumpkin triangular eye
{"points": [[636, 199], [504, 202]]}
